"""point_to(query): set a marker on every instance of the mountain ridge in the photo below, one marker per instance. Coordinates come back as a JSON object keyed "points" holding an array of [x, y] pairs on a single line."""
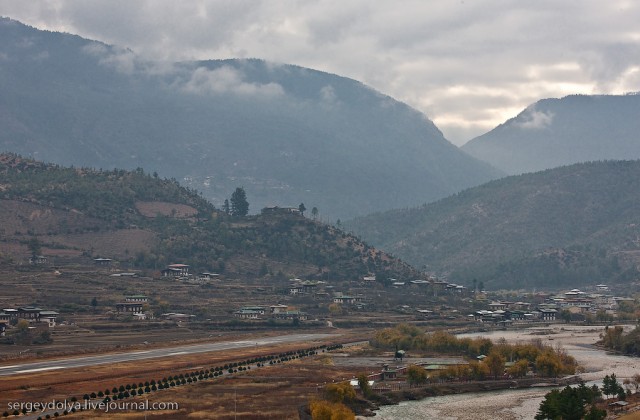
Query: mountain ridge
{"points": [[518, 230], [286, 133], [556, 132]]}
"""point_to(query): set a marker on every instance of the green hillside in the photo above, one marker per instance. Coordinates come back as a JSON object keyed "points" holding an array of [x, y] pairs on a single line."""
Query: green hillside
{"points": [[146, 222], [576, 225]]}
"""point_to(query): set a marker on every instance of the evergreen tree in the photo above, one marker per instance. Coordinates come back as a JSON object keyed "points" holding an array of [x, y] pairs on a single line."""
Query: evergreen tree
{"points": [[239, 203], [302, 208], [569, 404], [225, 207], [264, 270], [34, 247], [606, 386], [611, 386], [595, 413]]}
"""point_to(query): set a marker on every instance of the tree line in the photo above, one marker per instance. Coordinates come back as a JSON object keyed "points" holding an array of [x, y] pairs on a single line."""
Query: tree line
{"points": [[543, 360], [614, 338]]}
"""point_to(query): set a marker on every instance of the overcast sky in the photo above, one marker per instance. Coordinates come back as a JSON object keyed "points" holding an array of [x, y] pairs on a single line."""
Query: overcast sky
{"points": [[468, 65]]}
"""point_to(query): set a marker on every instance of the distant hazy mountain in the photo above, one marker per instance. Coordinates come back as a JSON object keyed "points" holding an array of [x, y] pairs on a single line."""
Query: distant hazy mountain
{"points": [[287, 134], [575, 225], [556, 132]]}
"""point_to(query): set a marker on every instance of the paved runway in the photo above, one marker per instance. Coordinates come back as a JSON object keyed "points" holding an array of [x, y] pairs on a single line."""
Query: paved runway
{"points": [[82, 361]]}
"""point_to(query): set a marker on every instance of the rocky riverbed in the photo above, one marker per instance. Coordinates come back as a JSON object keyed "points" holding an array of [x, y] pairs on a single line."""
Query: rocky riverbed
{"points": [[523, 403]]}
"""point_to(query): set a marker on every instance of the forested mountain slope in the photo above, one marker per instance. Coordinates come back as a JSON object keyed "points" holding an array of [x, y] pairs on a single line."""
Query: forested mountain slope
{"points": [[146, 222], [287, 134], [570, 225]]}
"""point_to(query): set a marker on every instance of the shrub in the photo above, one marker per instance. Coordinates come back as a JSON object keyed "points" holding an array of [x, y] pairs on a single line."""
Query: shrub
{"points": [[328, 410], [340, 392]]}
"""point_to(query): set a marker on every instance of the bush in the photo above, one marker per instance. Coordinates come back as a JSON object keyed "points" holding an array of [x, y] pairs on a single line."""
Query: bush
{"points": [[322, 410], [416, 375], [340, 392]]}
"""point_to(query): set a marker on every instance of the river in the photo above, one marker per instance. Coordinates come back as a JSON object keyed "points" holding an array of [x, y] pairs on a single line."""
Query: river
{"points": [[522, 403]]}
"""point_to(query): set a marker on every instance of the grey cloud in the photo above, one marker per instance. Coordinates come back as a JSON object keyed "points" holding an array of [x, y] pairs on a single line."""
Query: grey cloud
{"points": [[534, 119], [122, 60], [439, 56], [607, 65], [329, 99], [227, 80]]}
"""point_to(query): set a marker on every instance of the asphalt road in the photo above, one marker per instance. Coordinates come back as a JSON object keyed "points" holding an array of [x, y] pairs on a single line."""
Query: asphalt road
{"points": [[78, 362]]}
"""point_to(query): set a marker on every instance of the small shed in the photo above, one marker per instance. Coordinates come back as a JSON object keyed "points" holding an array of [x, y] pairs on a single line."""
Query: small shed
{"points": [[619, 406]]}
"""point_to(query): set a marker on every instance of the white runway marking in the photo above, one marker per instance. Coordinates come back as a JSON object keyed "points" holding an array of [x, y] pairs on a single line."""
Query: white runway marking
{"points": [[40, 369], [95, 360]]}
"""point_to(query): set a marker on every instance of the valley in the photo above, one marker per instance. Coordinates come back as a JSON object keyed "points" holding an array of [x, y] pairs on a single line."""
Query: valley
{"points": [[116, 276], [192, 238]]}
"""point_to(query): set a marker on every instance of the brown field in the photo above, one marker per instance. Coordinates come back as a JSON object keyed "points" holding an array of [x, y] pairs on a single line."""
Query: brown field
{"points": [[21, 217], [155, 208], [114, 244], [22, 220], [274, 392], [267, 393], [631, 416]]}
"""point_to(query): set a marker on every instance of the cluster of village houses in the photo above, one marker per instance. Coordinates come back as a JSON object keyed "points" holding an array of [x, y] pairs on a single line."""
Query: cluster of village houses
{"points": [[31, 314], [500, 312], [134, 305], [320, 290], [299, 288], [497, 312], [574, 301]]}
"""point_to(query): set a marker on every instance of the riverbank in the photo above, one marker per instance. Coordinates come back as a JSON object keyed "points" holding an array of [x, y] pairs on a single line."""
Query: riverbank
{"points": [[515, 404], [448, 388]]}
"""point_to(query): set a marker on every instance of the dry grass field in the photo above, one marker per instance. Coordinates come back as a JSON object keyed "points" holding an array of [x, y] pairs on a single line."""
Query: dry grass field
{"points": [[268, 393], [271, 392], [154, 208]]}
